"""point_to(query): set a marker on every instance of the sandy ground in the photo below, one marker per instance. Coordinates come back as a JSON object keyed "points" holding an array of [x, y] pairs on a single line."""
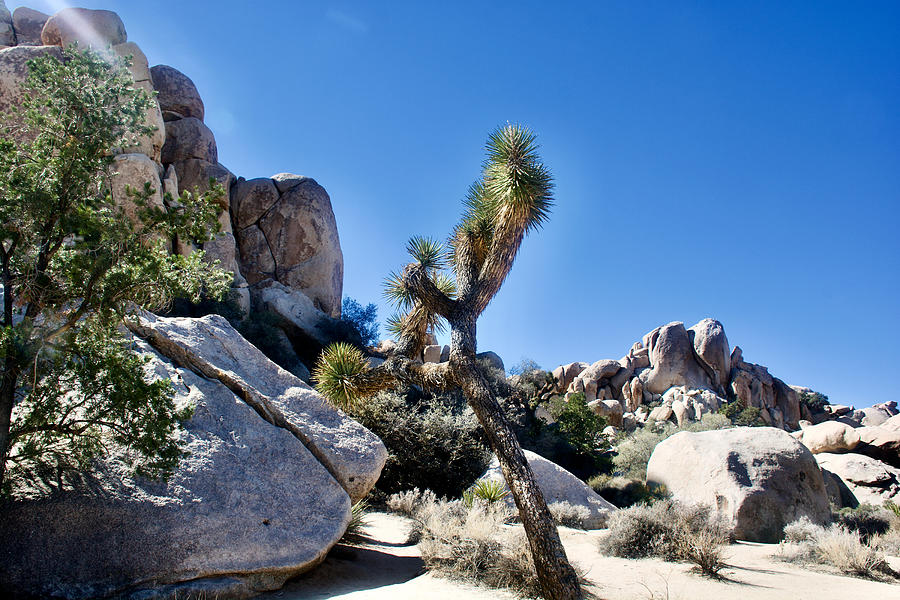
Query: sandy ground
{"points": [[387, 568]]}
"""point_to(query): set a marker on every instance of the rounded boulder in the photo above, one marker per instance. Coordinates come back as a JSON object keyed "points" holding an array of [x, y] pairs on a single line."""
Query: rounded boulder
{"points": [[757, 478]]}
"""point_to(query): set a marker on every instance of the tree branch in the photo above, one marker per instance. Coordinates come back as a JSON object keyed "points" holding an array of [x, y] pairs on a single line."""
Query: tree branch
{"points": [[418, 281], [431, 376], [508, 236]]}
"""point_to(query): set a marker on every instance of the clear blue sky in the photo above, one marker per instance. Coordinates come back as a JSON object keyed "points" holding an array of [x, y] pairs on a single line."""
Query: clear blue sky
{"points": [[737, 162]]}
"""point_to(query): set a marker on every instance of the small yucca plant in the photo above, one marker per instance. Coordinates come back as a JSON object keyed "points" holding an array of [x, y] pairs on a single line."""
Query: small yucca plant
{"points": [[489, 490], [356, 528]]}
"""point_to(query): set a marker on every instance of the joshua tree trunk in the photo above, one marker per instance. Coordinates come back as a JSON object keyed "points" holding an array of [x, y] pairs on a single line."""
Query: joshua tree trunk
{"points": [[558, 579]]}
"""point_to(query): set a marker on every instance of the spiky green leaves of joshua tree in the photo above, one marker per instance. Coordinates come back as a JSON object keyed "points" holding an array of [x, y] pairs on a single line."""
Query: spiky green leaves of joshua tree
{"points": [[342, 374]]}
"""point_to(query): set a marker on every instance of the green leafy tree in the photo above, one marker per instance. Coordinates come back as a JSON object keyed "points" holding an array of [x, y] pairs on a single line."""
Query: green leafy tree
{"points": [[582, 426], [74, 264], [363, 318], [454, 286]]}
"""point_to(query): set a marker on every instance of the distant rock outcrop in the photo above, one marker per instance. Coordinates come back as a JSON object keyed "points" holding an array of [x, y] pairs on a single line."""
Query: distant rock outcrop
{"points": [[685, 373], [263, 496]]}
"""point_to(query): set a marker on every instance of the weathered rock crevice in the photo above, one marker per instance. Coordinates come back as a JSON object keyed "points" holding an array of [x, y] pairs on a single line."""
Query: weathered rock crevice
{"points": [[356, 478]]}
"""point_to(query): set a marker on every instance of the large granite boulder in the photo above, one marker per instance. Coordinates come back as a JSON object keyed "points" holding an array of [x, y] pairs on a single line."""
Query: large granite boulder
{"points": [[861, 479], [892, 424], [291, 238], [132, 172], [491, 359], [7, 33], [14, 72], [672, 361], [592, 380], [875, 415], [754, 386], [557, 485], [308, 328], [263, 495], [757, 478], [189, 138], [28, 24], [829, 436], [178, 96], [566, 374], [194, 176], [150, 144], [711, 347], [880, 443], [84, 26]]}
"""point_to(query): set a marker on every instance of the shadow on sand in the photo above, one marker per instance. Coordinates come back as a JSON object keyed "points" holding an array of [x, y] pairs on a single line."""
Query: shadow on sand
{"points": [[350, 569]]}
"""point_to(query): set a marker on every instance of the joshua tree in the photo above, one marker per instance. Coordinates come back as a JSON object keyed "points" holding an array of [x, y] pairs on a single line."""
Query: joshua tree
{"points": [[512, 198]]}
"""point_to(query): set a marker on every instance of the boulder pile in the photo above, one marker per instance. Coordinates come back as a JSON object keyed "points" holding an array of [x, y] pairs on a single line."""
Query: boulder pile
{"points": [[280, 230], [273, 469], [679, 374]]}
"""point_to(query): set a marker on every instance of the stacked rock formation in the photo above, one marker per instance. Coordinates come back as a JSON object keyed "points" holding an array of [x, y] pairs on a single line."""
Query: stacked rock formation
{"points": [[277, 232], [684, 373], [272, 469]]}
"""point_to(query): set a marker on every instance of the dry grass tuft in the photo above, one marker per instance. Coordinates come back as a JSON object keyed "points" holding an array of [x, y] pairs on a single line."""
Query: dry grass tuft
{"points": [[845, 550]]}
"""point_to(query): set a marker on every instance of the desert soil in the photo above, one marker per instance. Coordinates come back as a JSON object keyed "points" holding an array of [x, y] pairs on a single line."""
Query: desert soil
{"points": [[386, 567]]}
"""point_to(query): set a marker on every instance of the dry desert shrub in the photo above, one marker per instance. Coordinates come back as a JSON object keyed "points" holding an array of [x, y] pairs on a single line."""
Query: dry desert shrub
{"points": [[669, 530], [845, 550], [836, 546], [569, 515], [889, 543], [473, 543], [407, 503], [801, 531]]}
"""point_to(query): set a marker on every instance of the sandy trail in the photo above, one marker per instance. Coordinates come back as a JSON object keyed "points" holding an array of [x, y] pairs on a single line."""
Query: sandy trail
{"points": [[387, 568]]}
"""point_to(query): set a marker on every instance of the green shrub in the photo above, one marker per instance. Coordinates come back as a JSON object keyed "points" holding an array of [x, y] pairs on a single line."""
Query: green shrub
{"points": [[581, 426], [364, 319], [740, 415], [433, 443], [708, 422], [814, 401], [634, 450]]}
